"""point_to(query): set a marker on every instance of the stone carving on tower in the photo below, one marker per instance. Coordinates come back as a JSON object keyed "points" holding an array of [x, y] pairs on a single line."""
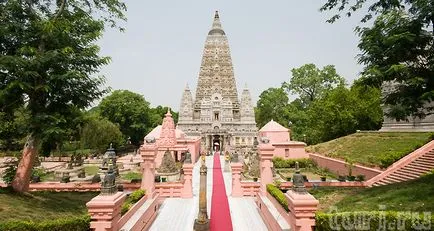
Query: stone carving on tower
{"points": [[168, 132], [216, 113]]}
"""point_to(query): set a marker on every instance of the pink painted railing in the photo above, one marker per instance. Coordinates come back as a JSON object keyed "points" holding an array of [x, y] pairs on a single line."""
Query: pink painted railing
{"points": [[279, 208], [146, 219], [250, 188], [75, 186], [132, 210], [340, 167], [169, 189], [270, 220], [287, 185], [402, 162]]}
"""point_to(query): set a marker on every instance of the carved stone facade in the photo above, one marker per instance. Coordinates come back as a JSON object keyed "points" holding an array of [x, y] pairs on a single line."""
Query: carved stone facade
{"points": [[217, 114], [412, 124]]}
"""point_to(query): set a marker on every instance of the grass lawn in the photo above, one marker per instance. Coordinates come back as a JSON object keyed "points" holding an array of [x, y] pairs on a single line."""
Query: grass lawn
{"points": [[38, 206], [417, 195], [311, 174], [131, 175], [91, 170], [372, 148]]}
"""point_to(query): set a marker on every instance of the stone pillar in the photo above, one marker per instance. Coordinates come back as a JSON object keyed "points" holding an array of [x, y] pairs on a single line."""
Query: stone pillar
{"points": [[302, 207], [148, 151], [187, 190], [237, 168], [266, 151], [105, 211]]}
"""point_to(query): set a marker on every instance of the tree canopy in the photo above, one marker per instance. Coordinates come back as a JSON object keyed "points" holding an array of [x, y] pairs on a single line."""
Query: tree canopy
{"points": [[130, 111], [397, 50], [310, 83], [272, 105], [335, 111], [48, 57]]}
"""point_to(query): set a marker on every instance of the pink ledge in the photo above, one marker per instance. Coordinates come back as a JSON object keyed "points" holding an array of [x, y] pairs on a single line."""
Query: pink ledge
{"points": [[266, 215], [279, 208], [250, 188], [132, 210]]}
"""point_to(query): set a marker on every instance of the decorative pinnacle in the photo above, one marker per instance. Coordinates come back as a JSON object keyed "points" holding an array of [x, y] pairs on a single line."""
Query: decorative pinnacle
{"points": [[168, 112], [216, 14]]}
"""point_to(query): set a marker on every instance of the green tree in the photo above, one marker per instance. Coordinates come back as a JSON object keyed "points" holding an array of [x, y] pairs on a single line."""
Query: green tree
{"points": [[398, 48], [341, 112], [272, 105], [310, 83], [157, 115], [98, 132], [130, 111], [399, 51], [48, 56]]}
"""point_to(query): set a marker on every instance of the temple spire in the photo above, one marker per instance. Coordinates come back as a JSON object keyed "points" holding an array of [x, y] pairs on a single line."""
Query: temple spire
{"points": [[216, 28]]}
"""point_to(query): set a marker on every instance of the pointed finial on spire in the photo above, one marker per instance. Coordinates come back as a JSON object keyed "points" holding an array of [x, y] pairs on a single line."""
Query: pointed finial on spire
{"points": [[216, 26], [187, 87], [168, 112]]}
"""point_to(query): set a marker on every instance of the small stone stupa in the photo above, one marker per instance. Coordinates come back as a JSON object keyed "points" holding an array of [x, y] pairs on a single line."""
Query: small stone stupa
{"points": [[168, 167]]}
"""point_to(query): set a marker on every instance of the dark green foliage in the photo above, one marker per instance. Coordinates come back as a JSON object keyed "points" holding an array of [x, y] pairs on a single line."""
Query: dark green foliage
{"points": [[133, 198], [279, 162], [398, 47], [272, 105], [130, 111], [310, 83], [97, 133], [9, 173], [360, 178], [80, 223], [373, 220], [278, 194]]}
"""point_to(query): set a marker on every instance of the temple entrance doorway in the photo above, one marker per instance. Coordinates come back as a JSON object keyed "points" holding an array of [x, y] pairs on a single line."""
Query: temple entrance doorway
{"points": [[216, 143]]}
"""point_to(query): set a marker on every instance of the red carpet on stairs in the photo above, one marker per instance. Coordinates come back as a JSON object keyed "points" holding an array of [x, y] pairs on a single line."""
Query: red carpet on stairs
{"points": [[220, 213]]}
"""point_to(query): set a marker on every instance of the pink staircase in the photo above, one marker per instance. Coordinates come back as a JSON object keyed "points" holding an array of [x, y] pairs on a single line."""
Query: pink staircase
{"points": [[410, 167]]}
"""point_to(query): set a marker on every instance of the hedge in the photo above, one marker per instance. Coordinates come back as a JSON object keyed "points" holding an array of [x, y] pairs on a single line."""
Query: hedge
{"points": [[278, 194], [279, 162], [374, 220], [71, 224], [133, 198]]}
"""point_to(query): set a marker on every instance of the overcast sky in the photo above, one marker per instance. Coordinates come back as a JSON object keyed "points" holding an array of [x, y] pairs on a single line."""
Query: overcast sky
{"points": [[161, 49]]}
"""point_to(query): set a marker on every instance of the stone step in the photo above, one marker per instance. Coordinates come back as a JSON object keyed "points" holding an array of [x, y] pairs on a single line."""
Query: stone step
{"points": [[409, 172], [415, 169], [423, 165], [418, 167], [399, 178], [427, 158]]}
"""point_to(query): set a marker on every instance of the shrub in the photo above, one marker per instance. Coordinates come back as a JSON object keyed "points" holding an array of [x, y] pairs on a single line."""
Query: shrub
{"points": [[280, 197], [372, 220], [279, 162], [133, 198], [71, 224], [360, 178], [9, 174]]}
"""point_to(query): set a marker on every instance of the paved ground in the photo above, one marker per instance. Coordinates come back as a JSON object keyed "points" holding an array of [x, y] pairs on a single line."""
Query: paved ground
{"points": [[179, 214]]}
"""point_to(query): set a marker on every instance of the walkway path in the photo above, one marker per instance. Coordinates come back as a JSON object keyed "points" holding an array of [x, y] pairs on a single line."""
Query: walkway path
{"points": [[179, 214], [220, 215]]}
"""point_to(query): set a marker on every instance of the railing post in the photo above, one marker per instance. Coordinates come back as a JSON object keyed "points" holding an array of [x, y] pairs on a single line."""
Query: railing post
{"points": [[148, 151], [266, 151], [187, 190], [105, 211], [237, 191]]}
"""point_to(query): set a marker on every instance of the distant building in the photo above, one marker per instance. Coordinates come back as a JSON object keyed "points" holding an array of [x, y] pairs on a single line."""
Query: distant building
{"points": [[216, 114], [280, 138], [412, 124]]}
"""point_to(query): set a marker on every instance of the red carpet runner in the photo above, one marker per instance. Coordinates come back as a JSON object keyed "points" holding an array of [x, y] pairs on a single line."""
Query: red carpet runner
{"points": [[220, 214]]}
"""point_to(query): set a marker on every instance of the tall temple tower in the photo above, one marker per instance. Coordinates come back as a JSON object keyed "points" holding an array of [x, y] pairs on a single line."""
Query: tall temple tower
{"points": [[216, 114]]}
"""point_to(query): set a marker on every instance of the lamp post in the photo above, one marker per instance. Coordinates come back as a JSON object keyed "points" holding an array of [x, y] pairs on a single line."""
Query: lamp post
{"points": [[202, 221]]}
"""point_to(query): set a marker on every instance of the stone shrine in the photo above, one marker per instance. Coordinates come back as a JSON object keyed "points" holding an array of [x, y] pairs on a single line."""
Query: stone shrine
{"points": [[217, 114]]}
